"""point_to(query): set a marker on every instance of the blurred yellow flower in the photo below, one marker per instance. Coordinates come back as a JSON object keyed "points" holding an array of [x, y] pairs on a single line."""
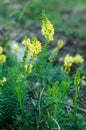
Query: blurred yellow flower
{"points": [[2, 58], [68, 60], [1, 50], [28, 68], [4, 80], [47, 28], [15, 48], [26, 42], [78, 59]]}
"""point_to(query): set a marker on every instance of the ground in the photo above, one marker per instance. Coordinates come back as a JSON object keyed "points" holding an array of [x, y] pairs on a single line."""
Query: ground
{"points": [[19, 19]]}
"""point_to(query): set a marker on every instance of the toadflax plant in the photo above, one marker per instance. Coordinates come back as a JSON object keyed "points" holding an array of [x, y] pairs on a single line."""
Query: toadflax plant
{"points": [[33, 93]]}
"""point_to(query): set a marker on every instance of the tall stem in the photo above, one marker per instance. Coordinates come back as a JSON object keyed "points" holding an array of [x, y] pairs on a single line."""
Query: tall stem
{"points": [[75, 107]]}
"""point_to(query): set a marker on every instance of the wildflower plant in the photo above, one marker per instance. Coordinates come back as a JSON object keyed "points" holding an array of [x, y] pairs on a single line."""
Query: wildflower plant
{"points": [[33, 93], [47, 28], [70, 60]]}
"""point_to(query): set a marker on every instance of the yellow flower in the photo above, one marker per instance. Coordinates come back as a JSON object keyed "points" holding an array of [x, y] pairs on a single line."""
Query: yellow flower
{"points": [[68, 60], [78, 59], [2, 58], [26, 42], [4, 80], [28, 68], [47, 28], [34, 48], [15, 48], [1, 50]]}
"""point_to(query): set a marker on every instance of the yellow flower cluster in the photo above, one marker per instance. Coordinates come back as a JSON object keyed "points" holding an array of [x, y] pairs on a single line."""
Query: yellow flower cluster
{"points": [[78, 59], [47, 28], [28, 68], [3, 81], [2, 56], [34, 48], [26, 42], [69, 60], [15, 48]]}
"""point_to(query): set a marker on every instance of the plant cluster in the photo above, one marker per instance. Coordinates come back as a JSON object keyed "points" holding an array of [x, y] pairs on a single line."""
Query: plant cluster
{"points": [[34, 94]]}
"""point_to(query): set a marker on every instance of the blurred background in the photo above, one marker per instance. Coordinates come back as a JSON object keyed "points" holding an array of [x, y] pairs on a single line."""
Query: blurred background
{"points": [[20, 18]]}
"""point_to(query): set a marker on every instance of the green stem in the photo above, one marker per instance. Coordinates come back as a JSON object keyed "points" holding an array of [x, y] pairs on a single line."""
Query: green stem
{"points": [[25, 55], [75, 106], [42, 67]]}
